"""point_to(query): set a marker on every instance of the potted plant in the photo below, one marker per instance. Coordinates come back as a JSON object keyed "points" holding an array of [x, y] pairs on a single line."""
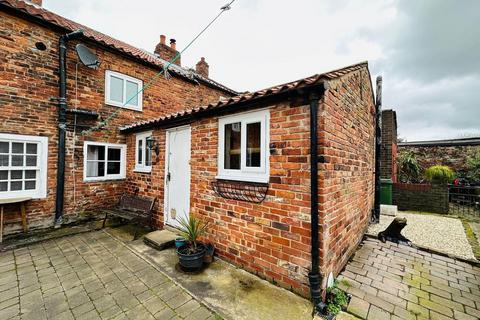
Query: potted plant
{"points": [[191, 254], [180, 241]]}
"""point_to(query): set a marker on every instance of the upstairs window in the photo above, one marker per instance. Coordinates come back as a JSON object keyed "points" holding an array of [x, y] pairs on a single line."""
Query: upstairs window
{"points": [[243, 147], [120, 91], [23, 166], [103, 161], [143, 154]]}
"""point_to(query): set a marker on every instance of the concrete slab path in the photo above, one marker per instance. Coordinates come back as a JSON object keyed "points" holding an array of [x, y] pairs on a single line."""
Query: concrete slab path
{"points": [[390, 281], [232, 292]]}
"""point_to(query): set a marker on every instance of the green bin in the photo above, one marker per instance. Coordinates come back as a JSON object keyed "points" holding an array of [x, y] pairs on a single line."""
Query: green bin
{"points": [[386, 191]]}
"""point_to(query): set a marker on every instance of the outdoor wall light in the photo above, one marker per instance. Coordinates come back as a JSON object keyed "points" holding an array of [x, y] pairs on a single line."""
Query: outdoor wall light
{"points": [[153, 145]]}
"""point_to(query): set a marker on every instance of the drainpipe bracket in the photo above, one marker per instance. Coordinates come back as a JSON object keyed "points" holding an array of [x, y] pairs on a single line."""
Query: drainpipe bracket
{"points": [[58, 222]]}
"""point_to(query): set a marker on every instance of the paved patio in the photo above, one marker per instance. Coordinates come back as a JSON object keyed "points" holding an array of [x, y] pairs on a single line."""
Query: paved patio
{"points": [[390, 281], [89, 276]]}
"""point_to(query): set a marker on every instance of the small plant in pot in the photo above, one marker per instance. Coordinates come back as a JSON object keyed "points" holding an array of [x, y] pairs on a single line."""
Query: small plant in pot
{"points": [[191, 254]]}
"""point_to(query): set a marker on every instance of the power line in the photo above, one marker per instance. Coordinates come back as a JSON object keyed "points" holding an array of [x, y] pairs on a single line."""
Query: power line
{"points": [[164, 69]]}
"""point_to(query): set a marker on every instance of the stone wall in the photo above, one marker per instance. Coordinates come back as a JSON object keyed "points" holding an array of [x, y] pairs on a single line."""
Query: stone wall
{"points": [[421, 197], [29, 86], [455, 156]]}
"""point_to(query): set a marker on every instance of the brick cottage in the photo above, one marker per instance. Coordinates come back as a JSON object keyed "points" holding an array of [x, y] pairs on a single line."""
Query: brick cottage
{"points": [[209, 159], [29, 55], [284, 175]]}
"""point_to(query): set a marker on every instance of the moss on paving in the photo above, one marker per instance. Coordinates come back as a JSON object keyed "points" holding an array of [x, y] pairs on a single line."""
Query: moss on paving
{"points": [[472, 239]]}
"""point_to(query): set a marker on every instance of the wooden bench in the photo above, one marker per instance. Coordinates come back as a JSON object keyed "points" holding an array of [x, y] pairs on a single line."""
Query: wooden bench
{"points": [[135, 209]]}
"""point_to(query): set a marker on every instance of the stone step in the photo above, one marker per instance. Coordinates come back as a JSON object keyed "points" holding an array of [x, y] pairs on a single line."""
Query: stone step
{"points": [[388, 210], [160, 239]]}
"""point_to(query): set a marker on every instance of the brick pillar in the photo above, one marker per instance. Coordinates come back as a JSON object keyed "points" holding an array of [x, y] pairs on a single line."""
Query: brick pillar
{"points": [[388, 165]]}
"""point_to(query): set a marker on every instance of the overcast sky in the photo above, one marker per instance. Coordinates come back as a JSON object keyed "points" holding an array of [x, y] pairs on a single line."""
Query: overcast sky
{"points": [[428, 51]]}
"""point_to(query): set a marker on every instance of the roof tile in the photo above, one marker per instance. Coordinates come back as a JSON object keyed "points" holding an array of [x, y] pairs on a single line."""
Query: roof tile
{"points": [[252, 95]]}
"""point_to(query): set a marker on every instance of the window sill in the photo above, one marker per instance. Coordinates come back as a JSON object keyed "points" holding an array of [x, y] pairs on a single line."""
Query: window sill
{"points": [[257, 179], [120, 105], [142, 170], [103, 179]]}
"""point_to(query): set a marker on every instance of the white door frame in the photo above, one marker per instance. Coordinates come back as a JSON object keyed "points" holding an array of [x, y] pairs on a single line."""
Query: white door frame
{"points": [[167, 162]]}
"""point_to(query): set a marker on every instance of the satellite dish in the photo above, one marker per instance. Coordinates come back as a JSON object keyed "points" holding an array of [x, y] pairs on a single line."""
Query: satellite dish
{"points": [[86, 56]]}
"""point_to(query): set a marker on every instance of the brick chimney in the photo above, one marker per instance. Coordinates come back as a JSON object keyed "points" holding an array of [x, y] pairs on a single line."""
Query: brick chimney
{"points": [[167, 52], [202, 67], [37, 2]]}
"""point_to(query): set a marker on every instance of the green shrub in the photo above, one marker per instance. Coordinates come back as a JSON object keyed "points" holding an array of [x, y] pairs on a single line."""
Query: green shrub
{"points": [[473, 166], [191, 229], [439, 174], [336, 299], [408, 168]]}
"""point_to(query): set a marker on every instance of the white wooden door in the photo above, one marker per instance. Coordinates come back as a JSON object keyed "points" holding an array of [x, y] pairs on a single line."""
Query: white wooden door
{"points": [[177, 175]]}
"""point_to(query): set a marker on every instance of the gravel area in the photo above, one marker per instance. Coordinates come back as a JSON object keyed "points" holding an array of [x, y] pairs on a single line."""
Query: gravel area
{"points": [[444, 234]]}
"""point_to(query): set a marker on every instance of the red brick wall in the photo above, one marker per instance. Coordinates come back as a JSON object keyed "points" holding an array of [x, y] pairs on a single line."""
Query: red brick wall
{"points": [[388, 160], [28, 81], [271, 239], [346, 171]]}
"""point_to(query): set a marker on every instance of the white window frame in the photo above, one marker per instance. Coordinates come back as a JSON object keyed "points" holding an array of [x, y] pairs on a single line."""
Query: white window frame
{"points": [[141, 167], [124, 77], [40, 190], [123, 158], [248, 174]]}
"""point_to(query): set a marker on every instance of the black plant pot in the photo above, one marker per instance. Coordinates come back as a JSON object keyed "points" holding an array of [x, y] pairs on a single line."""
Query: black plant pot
{"points": [[193, 261]]}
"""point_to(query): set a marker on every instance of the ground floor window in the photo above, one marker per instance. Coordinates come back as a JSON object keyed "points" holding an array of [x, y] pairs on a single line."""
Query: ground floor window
{"points": [[103, 161], [143, 152], [23, 166], [243, 147]]}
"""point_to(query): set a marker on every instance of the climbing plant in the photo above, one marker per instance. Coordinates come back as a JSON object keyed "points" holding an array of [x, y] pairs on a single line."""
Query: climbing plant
{"points": [[473, 166]]}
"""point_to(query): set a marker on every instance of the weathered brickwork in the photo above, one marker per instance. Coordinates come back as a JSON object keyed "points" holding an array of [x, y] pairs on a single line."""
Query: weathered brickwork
{"points": [[388, 155], [347, 133], [29, 81], [420, 197], [453, 156], [272, 239]]}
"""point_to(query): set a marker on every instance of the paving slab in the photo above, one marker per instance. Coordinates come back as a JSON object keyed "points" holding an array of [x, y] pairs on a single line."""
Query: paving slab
{"points": [[160, 239], [410, 284], [105, 279], [233, 292]]}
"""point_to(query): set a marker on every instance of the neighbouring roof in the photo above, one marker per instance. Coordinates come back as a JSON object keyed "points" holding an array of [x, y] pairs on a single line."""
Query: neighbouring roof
{"points": [[474, 141], [223, 104], [51, 18]]}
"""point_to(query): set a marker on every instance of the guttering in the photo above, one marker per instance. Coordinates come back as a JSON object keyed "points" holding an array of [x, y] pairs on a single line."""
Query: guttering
{"points": [[62, 123], [314, 276], [378, 148]]}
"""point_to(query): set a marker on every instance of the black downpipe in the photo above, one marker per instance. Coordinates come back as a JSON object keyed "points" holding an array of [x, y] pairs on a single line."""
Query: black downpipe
{"points": [[62, 123], [314, 274], [378, 148]]}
